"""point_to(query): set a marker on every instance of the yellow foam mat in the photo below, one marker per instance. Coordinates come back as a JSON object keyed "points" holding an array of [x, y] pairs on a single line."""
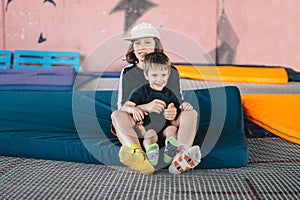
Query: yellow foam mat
{"points": [[234, 74], [277, 113]]}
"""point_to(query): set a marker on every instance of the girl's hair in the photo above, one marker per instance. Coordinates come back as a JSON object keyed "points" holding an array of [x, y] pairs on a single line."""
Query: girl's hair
{"points": [[132, 59], [156, 58]]}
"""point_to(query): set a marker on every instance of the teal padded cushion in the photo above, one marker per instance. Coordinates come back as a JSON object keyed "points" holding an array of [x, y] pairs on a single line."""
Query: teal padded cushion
{"points": [[75, 126]]}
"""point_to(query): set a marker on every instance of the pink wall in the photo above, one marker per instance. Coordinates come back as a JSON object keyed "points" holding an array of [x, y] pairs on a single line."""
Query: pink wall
{"points": [[267, 31]]}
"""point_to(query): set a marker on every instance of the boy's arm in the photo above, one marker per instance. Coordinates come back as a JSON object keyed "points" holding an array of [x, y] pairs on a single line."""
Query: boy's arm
{"points": [[156, 106], [130, 107]]}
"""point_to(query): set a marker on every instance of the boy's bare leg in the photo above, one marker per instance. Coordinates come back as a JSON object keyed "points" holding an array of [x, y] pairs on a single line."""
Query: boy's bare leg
{"points": [[171, 143], [151, 146], [150, 138], [170, 131]]}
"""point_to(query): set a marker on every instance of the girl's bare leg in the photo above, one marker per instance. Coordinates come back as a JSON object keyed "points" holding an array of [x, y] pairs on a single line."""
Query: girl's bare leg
{"points": [[123, 124], [131, 153], [187, 156], [187, 127]]}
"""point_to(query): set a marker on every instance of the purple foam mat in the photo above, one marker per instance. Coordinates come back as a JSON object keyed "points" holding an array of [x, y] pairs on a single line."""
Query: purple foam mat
{"points": [[56, 78]]}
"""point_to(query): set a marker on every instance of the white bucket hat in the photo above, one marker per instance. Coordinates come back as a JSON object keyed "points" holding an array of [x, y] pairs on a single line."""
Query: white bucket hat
{"points": [[143, 30]]}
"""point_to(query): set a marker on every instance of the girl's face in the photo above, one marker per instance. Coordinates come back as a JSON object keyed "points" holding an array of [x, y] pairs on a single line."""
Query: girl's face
{"points": [[157, 76], [142, 47]]}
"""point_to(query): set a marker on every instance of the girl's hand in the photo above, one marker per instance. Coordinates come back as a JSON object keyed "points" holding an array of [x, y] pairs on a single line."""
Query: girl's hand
{"points": [[170, 112], [185, 106]]}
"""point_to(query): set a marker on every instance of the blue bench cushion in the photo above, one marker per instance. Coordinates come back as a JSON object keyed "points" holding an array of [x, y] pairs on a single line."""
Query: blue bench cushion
{"points": [[75, 126], [45, 59], [58, 78], [5, 59]]}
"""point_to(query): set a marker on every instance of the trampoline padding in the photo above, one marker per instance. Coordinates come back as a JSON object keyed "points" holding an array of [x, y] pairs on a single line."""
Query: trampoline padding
{"points": [[234, 74], [276, 113]]}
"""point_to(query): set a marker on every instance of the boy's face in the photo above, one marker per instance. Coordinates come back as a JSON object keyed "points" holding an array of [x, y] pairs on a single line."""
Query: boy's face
{"points": [[157, 77]]}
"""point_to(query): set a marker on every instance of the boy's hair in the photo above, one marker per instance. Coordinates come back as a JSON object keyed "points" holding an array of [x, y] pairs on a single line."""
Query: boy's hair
{"points": [[156, 58]]}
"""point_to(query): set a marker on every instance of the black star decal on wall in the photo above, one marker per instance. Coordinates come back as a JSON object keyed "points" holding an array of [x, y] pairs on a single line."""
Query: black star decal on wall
{"points": [[8, 2], [50, 1], [41, 38], [134, 9]]}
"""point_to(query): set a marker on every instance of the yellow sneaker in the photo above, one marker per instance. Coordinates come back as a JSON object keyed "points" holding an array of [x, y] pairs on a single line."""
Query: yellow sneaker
{"points": [[135, 158]]}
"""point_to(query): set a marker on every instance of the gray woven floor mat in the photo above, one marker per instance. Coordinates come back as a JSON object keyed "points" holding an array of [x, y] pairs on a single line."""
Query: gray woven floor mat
{"points": [[272, 173]]}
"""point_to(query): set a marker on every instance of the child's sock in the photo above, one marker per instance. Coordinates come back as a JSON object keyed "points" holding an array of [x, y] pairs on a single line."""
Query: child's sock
{"points": [[185, 160], [135, 158], [153, 153], [170, 149]]}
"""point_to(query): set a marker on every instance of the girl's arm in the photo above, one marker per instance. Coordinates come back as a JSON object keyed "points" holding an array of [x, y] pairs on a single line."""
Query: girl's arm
{"points": [[123, 89], [131, 77], [175, 86], [174, 83]]}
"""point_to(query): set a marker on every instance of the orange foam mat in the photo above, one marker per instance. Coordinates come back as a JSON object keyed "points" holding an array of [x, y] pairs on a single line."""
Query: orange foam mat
{"points": [[277, 113], [234, 74]]}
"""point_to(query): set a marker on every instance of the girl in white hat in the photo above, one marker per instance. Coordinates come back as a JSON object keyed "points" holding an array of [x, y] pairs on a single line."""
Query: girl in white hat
{"points": [[145, 39]]}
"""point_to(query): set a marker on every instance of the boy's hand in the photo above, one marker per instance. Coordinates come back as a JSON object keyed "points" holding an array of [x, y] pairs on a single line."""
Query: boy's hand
{"points": [[185, 106], [170, 112], [156, 106], [137, 114]]}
